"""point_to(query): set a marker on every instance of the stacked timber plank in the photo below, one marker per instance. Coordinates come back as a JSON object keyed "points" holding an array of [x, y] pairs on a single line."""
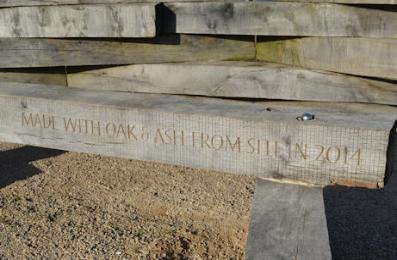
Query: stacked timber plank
{"points": [[289, 91]]}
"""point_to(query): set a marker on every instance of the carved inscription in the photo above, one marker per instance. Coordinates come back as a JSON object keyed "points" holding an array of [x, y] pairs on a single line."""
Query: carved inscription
{"points": [[130, 133]]}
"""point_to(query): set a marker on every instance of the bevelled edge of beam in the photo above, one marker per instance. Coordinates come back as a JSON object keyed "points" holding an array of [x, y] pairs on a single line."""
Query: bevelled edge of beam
{"points": [[278, 19], [287, 222], [237, 80], [115, 20], [20, 53], [358, 56], [346, 143]]}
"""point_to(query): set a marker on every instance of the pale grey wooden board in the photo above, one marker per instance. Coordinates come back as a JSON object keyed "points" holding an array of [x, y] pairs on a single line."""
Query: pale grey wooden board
{"points": [[213, 134], [358, 56], [19, 53], [279, 19], [287, 222], [237, 79], [377, 2], [13, 3], [117, 20]]}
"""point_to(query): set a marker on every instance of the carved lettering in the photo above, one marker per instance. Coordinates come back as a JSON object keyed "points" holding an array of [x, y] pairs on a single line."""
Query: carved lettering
{"points": [[95, 128], [171, 136], [217, 142], [27, 120], [234, 147], [251, 143], [38, 121], [333, 154], [144, 134], [293, 151], [70, 124], [356, 157], [111, 129], [121, 132], [204, 141], [320, 155], [301, 152], [130, 132], [158, 139]]}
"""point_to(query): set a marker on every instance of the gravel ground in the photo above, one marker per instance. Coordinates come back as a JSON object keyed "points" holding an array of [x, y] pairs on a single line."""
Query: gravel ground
{"points": [[58, 204]]}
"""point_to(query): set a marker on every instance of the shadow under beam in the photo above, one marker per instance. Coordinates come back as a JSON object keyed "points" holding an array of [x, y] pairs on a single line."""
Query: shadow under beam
{"points": [[15, 164], [362, 224]]}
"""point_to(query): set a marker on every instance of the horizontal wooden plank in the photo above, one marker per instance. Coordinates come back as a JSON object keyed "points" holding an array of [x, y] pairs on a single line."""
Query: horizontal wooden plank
{"points": [[237, 79], [344, 144], [19, 53], [118, 20], [358, 56], [287, 222], [356, 2], [279, 19], [50, 77], [10, 3], [14, 3]]}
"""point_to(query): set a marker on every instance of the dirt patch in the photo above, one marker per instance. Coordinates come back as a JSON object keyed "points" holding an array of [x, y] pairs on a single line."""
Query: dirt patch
{"points": [[58, 204]]}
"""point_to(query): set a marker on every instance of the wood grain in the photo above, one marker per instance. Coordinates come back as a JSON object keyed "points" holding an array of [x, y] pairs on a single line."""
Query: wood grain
{"points": [[288, 222], [9, 3], [118, 20], [345, 142], [358, 56], [357, 2], [237, 79], [14, 3], [20, 53], [280, 19], [45, 76]]}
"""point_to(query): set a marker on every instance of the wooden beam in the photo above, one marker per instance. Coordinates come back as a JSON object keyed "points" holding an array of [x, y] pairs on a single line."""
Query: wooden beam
{"points": [[237, 79], [357, 2], [17, 53], [345, 144], [10, 3], [288, 222], [14, 3], [49, 77], [118, 20], [358, 56], [279, 19]]}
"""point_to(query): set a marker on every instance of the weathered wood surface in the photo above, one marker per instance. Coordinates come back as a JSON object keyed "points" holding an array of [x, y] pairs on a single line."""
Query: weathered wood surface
{"points": [[17, 53], [358, 56], [237, 79], [13, 3], [279, 19], [288, 222], [378, 2], [118, 20], [9, 3], [34, 77], [263, 139]]}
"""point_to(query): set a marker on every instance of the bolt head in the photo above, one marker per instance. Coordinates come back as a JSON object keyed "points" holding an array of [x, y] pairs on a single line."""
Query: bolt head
{"points": [[307, 116]]}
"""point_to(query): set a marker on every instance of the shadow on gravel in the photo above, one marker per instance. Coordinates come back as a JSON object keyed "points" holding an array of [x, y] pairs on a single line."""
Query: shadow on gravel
{"points": [[362, 224], [16, 165]]}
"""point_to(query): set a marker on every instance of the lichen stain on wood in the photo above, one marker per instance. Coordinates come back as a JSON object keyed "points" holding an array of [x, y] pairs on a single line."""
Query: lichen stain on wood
{"points": [[279, 51]]}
